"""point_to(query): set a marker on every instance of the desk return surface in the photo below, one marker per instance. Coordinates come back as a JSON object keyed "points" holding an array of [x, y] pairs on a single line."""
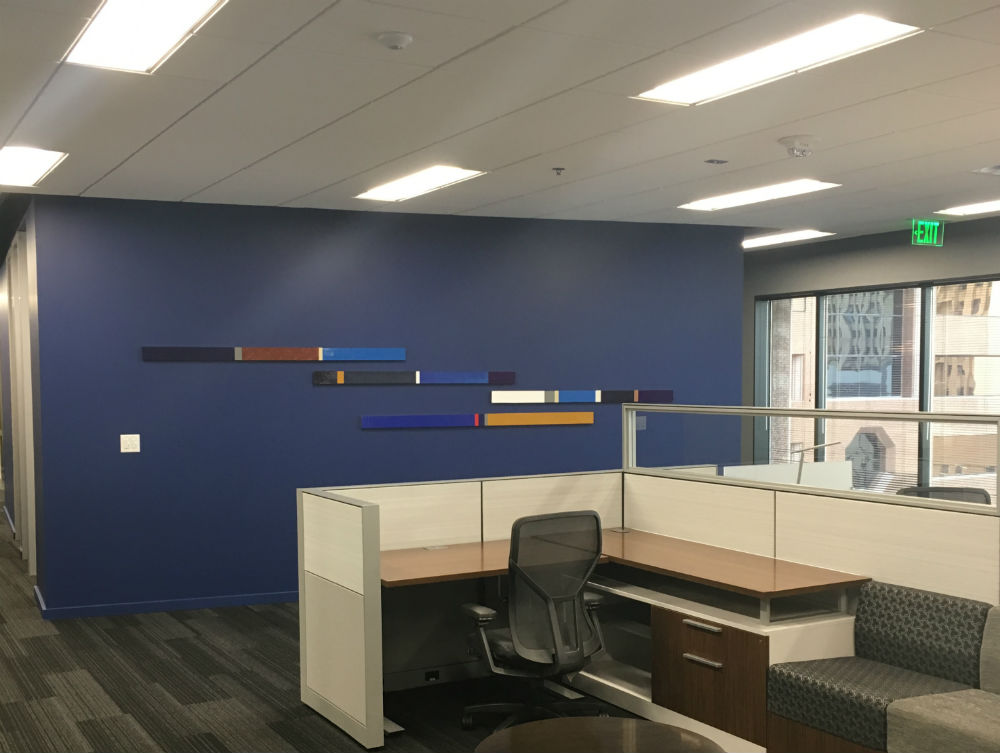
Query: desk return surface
{"points": [[749, 574]]}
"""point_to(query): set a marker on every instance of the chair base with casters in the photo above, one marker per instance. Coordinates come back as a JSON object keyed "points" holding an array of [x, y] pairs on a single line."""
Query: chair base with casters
{"points": [[496, 646]]}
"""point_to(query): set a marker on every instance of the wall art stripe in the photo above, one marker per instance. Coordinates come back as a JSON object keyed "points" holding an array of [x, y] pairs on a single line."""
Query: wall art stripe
{"points": [[539, 419], [245, 353], [581, 396], [426, 421], [328, 378], [453, 420]]}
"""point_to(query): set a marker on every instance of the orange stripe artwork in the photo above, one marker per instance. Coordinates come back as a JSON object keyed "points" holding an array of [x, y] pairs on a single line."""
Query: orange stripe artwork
{"points": [[540, 419]]}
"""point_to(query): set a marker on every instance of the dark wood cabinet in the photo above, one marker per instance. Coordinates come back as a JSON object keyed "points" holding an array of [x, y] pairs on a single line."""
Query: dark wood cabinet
{"points": [[713, 673]]}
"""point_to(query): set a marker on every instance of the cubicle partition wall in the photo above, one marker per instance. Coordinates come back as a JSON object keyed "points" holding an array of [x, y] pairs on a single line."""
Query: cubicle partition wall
{"points": [[356, 641], [935, 544], [340, 612]]}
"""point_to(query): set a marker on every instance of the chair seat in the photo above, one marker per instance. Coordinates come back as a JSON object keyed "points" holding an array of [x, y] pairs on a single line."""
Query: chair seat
{"points": [[846, 696], [502, 647], [968, 720]]}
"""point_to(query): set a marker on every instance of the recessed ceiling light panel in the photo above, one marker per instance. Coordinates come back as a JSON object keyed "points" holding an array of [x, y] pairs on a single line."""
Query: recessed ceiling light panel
{"points": [[982, 207], [418, 183], [755, 195], [139, 35], [26, 166], [819, 46], [787, 236]]}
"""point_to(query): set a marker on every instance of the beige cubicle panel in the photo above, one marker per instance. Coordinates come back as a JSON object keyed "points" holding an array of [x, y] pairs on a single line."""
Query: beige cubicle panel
{"points": [[506, 500], [939, 550], [734, 517], [340, 613], [412, 515]]}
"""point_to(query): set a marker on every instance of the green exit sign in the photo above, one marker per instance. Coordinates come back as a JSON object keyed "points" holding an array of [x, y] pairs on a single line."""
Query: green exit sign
{"points": [[927, 233]]}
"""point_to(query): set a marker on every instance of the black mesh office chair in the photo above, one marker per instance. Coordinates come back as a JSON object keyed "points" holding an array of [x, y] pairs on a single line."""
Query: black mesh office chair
{"points": [[956, 493], [553, 627]]}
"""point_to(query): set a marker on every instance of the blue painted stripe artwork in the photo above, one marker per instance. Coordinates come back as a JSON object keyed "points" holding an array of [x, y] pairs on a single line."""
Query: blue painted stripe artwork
{"points": [[364, 354], [427, 421]]}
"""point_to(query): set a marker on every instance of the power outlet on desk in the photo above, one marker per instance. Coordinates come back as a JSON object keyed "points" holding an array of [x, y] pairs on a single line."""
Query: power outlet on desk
{"points": [[431, 676]]}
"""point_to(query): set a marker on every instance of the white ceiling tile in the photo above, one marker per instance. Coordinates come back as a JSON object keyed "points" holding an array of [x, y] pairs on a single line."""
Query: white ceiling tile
{"points": [[351, 28], [213, 58], [565, 119], [28, 33], [99, 117], [654, 24], [508, 12], [983, 26], [20, 81], [214, 146], [980, 86], [267, 21], [515, 71]]}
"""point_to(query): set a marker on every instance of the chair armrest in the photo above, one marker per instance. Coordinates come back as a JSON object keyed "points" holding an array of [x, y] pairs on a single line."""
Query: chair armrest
{"points": [[592, 600], [480, 615]]}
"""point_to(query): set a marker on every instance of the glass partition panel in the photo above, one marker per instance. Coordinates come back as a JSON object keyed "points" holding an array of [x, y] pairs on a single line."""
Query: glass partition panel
{"points": [[856, 452]]}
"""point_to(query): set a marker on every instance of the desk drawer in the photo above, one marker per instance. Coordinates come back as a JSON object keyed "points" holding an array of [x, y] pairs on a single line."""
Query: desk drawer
{"points": [[714, 673]]}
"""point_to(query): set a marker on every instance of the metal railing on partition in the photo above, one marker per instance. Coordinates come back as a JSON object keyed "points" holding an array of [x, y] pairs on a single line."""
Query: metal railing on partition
{"points": [[926, 459]]}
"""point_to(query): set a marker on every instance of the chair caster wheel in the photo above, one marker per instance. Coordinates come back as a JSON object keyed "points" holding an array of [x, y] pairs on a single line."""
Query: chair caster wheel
{"points": [[467, 721]]}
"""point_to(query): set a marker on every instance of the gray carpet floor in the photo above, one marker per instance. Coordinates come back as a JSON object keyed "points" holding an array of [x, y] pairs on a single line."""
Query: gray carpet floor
{"points": [[202, 680]]}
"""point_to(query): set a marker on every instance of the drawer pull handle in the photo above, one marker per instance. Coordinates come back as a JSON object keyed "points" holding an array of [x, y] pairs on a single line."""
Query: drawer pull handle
{"points": [[702, 626], [702, 660]]}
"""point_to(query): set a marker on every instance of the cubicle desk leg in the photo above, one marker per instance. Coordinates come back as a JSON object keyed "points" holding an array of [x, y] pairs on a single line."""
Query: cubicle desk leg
{"points": [[765, 611]]}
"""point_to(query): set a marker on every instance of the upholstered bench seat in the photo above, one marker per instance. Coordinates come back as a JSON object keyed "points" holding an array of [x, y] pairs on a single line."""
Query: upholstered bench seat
{"points": [[967, 721], [907, 642], [847, 696]]}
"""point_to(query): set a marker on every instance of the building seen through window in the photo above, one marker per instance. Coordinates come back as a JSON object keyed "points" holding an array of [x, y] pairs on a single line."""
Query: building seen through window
{"points": [[867, 346]]}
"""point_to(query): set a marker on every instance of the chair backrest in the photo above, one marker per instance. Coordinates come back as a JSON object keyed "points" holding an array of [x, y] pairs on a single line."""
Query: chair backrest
{"points": [[551, 558], [955, 493], [925, 631]]}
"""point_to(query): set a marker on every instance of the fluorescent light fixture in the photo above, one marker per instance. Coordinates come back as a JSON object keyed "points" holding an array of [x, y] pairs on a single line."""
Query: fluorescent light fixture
{"points": [[419, 183], [754, 195], [787, 236], [981, 208], [26, 166], [819, 46], [139, 35]]}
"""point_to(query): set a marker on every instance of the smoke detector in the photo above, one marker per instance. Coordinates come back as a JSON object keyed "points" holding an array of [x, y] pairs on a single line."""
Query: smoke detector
{"points": [[799, 146], [394, 40]]}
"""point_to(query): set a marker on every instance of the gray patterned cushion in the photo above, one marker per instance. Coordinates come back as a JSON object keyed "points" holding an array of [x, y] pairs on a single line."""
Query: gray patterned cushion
{"points": [[967, 721], [989, 665], [846, 696], [920, 630]]}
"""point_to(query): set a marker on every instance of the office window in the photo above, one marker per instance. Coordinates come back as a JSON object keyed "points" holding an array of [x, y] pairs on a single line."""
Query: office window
{"points": [[792, 358], [872, 349], [966, 379], [867, 351], [795, 379]]}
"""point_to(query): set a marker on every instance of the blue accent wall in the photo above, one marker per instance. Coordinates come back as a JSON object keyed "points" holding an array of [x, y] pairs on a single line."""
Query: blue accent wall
{"points": [[205, 514]]}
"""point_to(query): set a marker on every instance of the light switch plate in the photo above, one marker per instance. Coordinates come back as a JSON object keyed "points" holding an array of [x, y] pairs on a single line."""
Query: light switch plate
{"points": [[130, 442]]}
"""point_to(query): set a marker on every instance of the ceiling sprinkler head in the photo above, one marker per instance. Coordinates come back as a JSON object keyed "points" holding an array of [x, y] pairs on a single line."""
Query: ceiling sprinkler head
{"points": [[799, 146], [395, 40]]}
